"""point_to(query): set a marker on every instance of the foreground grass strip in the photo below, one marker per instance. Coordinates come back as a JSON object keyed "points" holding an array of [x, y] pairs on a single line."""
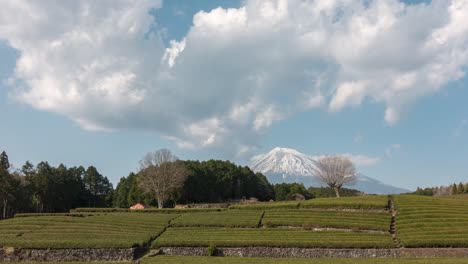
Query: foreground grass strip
{"points": [[432, 221], [219, 219], [235, 260], [96, 231], [378, 202], [271, 237], [359, 220]]}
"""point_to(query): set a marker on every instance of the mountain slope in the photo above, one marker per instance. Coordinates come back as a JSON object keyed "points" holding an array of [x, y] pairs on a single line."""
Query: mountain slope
{"points": [[289, 165]]}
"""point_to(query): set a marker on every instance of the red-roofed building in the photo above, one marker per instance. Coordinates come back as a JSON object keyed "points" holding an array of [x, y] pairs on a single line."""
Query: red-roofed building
{"points": [[139, 206]]}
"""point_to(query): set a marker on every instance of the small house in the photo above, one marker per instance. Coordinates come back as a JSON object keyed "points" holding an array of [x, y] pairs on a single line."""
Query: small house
{"points": [[139, 206]]}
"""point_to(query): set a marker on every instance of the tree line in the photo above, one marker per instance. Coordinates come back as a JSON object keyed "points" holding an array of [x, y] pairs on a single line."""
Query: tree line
{"points": [[454, 189], [43, 188], [162, 180], [47, 189]]}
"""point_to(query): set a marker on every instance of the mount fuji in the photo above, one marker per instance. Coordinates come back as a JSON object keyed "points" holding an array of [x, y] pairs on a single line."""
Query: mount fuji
{"points": [[289, 165]]}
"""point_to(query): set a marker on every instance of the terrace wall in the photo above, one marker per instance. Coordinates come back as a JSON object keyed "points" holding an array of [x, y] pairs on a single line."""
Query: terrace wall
{"points": [[276, 252], [62, 255]]}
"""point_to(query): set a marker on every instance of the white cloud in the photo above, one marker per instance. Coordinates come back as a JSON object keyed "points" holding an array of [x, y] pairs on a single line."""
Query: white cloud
{"points": [[92, 61], [267, 117], [96, 63], [348, 93], [171, 53]]}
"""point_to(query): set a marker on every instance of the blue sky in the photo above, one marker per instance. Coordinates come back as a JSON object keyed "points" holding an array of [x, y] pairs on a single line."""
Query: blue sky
{"points": [[229, 93]]}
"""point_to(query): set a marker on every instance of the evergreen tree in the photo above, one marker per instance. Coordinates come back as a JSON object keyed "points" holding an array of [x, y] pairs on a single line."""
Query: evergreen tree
{"points": [[4, 163], [218, 181], [127, 193], [6, 183], [41, 183], [461, 188], [121, 193], [28, 169], [98, 187], [454, 189]]}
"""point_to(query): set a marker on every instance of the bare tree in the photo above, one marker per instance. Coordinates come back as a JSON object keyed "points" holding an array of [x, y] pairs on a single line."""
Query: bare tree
{"points": [[335, 171], [161, 174]]}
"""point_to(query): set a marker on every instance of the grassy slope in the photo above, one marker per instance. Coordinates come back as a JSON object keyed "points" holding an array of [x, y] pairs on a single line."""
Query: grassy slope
{"points": [[148, 210], [355, 202], [379, 202], [432, 221], [275, 237], [220, 219], [421, 222], [267, 206], [325, 218], [98, 231]]}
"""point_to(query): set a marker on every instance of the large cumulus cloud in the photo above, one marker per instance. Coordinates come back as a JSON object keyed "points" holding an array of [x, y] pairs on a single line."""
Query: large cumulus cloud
{"points": [[237, 71]]}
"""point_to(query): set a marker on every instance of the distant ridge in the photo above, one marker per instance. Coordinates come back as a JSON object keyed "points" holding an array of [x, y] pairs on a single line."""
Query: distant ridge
{"points": [[289, 165]]}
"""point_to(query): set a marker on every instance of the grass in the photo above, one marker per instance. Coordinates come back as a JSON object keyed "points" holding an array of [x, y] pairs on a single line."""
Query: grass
{"points": [[359, 220], [148, 210], [97, 231], [432, 221], [267, 206], [53, 214], [219, 219], [274, 237], [247, 260], [420, 222], [379, 202]]}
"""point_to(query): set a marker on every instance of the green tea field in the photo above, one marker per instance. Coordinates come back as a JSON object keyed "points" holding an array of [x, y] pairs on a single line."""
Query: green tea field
{"points": [[361, 224]]}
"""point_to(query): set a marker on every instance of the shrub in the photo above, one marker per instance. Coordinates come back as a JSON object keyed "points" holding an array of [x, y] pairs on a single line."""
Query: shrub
{"points": [[211, 250]]}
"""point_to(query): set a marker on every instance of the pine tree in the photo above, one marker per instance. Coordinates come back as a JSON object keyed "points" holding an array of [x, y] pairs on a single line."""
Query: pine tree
{"points": [[466, 188], [461, 188], [454, 189], [98, 187], [4, 163], [5, 182]]}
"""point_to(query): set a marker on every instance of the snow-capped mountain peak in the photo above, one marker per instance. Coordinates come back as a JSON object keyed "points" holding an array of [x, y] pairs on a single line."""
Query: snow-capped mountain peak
{"points": [[284, 161], [290, 165]]}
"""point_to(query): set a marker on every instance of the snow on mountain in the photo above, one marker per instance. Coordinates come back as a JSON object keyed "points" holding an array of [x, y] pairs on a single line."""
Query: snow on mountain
{"points": [[283, 161], [289, 165]]}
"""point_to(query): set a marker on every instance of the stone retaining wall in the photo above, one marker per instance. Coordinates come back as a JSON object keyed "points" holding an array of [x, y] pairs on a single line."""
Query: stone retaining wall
{"points": [[276, 252], [62, 255], [84, 255], [433, 252]]}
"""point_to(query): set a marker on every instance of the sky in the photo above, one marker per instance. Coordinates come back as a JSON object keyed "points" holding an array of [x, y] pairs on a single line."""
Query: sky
{"points": [[104, 82]]}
